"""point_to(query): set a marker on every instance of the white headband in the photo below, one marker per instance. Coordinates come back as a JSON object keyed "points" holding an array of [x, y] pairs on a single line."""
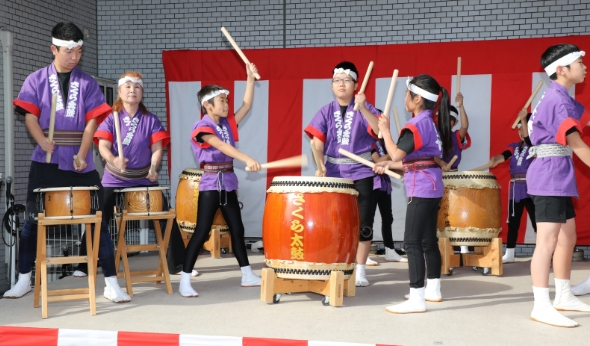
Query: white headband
{"points": [[212, 94], [347, 71], [417, 90], [67, 44], [130, 79], [563, 61]]}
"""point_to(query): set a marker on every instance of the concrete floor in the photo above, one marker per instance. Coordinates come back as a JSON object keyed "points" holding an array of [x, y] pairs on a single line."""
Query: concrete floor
{"points": [[476, 310]]}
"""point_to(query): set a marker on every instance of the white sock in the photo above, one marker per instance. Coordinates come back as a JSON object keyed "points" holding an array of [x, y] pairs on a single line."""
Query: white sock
{"points": [[249, 279], [22, 286], [565, 299], [361, 277], [582, 288], [508, 256], [184, 288], [464, 249], [114, 292], [415, 303], [544, 312]]}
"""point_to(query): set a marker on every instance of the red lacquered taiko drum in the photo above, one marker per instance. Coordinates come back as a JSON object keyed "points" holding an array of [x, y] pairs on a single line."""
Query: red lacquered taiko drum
{"points": [[310, 227]]}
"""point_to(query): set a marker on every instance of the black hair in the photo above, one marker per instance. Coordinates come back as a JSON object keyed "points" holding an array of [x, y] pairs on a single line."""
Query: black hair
{"points": [[430, 84], [206, 90], [347, 65], [67, 31], [555, 52]]}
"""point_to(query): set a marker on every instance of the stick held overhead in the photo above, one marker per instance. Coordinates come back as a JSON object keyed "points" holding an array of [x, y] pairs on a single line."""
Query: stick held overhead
{"points": [[237, 48], [389, 97], [528, 102], [365, 81]]}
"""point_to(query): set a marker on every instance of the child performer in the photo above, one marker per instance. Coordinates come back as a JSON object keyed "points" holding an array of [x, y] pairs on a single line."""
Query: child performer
{"points": [[518, 199], [80, 108], [213, 141], [417, 147], [382, 186], [338, 125], [554, 131]]}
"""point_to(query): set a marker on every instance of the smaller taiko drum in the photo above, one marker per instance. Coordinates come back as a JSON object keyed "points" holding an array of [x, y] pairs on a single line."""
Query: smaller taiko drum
{"points": [[143, 200], [68, 202], [471, 210]]}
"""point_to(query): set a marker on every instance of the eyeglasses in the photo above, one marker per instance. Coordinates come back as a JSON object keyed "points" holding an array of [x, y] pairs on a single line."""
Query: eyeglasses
{"points": [[338, 81]]}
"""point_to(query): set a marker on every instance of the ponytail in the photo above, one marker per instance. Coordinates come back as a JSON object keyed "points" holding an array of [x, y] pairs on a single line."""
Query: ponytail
{"points": [[444, 123]]}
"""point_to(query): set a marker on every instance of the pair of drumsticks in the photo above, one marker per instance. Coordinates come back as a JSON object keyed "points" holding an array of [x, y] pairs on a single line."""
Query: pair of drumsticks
{"points": [[52, 130]]}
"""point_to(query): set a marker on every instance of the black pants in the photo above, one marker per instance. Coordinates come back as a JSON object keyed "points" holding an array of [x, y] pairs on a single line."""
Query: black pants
{"points": [[209, 202], [384, 203], [420, 240], [514, 216], [367, 203]]}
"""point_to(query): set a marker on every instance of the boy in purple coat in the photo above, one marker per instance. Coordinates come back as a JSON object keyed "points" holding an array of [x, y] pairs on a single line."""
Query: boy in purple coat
{"points": [[554, 130], [422, 139]]}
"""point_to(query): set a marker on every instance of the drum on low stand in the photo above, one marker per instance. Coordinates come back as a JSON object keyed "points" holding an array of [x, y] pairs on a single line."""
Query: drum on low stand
{"points": [[67, 202], [471, 214], [143, 200], [310, 232]]}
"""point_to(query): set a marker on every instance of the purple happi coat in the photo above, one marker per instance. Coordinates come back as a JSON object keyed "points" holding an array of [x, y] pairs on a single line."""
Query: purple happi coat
{"points": [[554, 115], [137, 136], [84, 102], [425, 183], [226, 131], [351, 132], [458, 147], [381, 181], [519, 164]]}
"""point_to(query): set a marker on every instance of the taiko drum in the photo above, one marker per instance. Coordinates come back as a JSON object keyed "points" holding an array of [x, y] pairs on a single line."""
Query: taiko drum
{"points": [[470, 211], [310, 227], [67, 201], [143, 200], [187, 202]]}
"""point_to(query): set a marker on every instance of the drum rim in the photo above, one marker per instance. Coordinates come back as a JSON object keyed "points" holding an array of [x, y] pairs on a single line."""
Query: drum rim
{"points": [[193, 170], [145, 188], [450, 174], [312, 179], [72, 188]]}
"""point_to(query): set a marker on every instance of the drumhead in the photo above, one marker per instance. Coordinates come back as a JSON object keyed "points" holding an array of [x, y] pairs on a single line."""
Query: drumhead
{"points": [[191, 173], [289, 184], [148, 188], [73, 188], [470, 179]]}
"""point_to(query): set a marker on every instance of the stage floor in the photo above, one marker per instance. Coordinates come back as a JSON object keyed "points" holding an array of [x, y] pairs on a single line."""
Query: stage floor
{"points": [[476, 309]]}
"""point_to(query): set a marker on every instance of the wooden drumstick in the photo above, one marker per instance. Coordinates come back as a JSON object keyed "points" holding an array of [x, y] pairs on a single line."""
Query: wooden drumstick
{"points": [[399, 127], [118, 135], [240, 53], [389, 97], [450, 164], [365, 81], [481, 168], [152, 170], [294, 161], [316, 157], [528, 102], [77, 161], [458, 75], [51, 125], [367, 163]]}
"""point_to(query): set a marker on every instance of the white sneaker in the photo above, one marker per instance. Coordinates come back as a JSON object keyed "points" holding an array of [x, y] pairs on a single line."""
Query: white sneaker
{"points": [[113, 292], [185, 289], [414, 304], [392, 256], [371, 263], [508, 256], [22, 287], [249, 279], [583, 288], [361, 277], [545, 313], [565, 299], [79, 274]]}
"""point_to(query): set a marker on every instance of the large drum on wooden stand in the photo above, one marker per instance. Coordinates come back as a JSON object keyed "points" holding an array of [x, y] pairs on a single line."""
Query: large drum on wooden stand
{"points": [[470, 210], [67, 202], [310, 227], [187, 202]]}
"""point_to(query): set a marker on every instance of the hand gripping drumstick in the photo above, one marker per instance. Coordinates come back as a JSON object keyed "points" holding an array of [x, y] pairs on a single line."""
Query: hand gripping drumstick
{"points": [[389, 97], [51, 125], [399, 127], [235, 45], [118, 134], [365, 81], [294, 161], [77, 161], [481, 168], [316, 157], [458, 75], [368, 163], [528, 103]]}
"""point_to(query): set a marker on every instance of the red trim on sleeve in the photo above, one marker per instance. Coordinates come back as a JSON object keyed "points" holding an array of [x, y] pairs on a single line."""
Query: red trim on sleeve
{"points": [[311, 132], [564, 127], [417, 136], [585, 119], [231, 119], [370, 130], [102, 134], [460, 143], [28, 106], [100, 113], [160, 136], [204, 129]]}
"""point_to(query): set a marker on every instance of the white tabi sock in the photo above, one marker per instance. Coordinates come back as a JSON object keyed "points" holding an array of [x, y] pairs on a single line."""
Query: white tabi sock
{"points": [[545, 313], [184, 288]]}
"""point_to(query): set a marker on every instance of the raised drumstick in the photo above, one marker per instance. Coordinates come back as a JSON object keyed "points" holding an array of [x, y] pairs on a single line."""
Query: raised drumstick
{"points": [[242, 55], [528, 102], [458, 75], [118, 135], [481, 168], [399, 127], [389, 97], [316, 157], [450, 164], [294, 161], [367, 163], [365, 81], [51, 124]]}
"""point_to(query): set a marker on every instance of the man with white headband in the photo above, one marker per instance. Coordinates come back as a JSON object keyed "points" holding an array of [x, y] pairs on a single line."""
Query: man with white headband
{"points": [[80, 107], [554, 131], [337, 125]]}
